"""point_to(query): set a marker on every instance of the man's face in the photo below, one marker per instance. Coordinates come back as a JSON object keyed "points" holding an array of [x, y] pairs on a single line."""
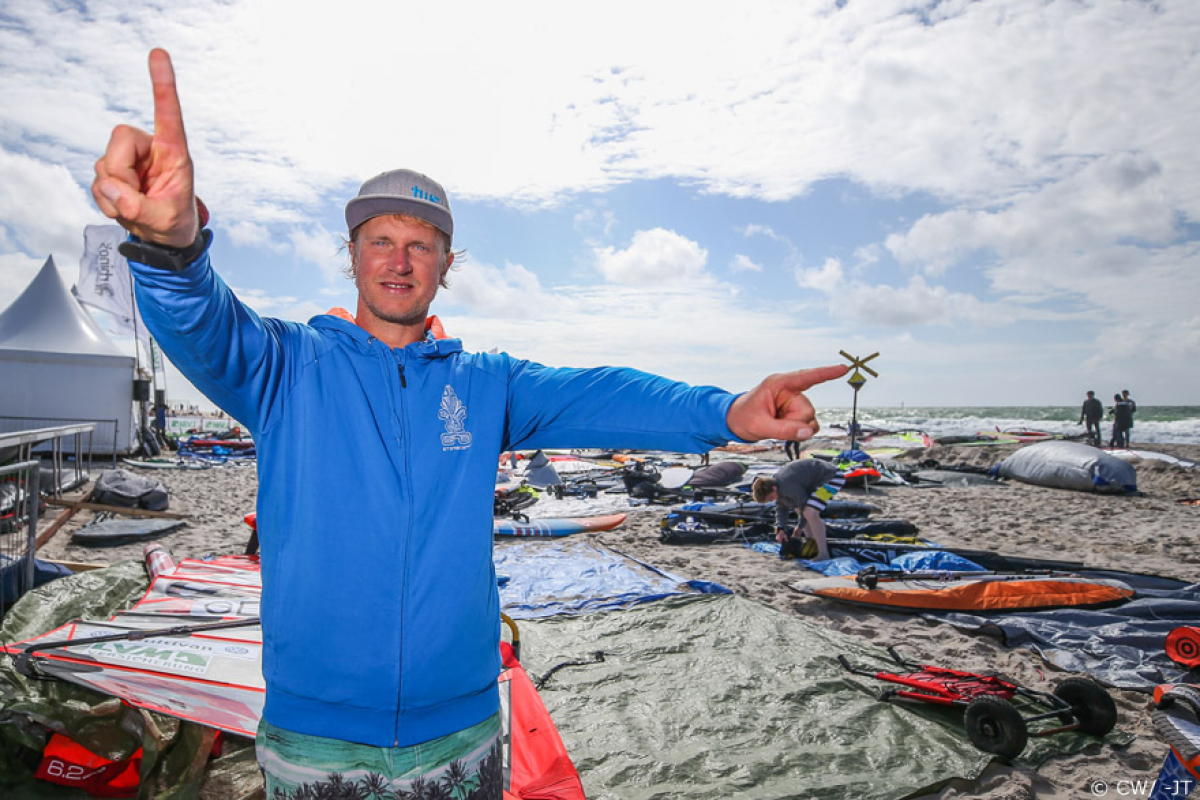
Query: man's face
{"points": [[398, 264]]}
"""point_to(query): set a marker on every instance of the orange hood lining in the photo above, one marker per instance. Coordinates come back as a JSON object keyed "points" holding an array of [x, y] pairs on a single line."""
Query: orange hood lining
{"points": [[433, 325]]}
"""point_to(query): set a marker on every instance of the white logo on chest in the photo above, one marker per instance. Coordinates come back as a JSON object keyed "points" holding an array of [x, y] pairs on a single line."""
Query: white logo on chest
{"points": [[454, 414]]}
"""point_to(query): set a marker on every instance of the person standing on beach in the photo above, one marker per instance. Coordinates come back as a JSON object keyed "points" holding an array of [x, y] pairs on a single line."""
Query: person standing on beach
{"points": [[804, 487], [378, 439], [1122, 414], [1092, 412], [1132, 411]]}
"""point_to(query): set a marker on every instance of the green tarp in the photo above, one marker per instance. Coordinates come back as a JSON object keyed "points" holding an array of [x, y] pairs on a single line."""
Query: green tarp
{"points": [[719, 696]]}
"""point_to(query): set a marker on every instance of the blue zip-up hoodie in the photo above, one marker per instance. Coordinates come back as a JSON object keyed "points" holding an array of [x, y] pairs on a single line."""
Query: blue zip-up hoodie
{"points": [[377, 472]]}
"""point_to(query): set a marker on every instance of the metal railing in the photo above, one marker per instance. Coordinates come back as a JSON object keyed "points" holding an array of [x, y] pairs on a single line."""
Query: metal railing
{"points": [[49, 435], [20, 499]]}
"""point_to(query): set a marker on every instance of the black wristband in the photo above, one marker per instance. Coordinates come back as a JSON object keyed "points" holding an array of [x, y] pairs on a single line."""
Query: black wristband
{"points": [[172, 259]]}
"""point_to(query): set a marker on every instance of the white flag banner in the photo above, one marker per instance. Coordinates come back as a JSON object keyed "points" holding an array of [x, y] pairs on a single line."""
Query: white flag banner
{"points": [[105, 283]]}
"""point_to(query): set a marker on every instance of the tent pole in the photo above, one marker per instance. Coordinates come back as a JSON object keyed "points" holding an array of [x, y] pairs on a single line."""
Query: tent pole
{"points": [[143, 411]]}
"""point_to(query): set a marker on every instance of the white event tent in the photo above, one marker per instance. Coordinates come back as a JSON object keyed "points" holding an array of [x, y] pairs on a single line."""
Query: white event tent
{"points": [[58, 366]]}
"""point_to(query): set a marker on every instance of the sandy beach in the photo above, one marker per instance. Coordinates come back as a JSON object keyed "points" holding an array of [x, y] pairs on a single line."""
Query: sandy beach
{"points": [[1149, 532]]}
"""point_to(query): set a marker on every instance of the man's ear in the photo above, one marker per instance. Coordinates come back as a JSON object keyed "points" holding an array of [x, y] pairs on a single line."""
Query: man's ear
{"points": [[449, 263]]}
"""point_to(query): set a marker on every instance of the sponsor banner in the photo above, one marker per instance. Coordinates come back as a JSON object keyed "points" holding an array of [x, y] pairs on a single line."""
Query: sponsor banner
{"points": [[179, 426], [230, 662]]}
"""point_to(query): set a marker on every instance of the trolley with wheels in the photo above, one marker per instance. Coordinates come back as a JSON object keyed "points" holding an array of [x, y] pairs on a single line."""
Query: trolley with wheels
{"points": [[1001, 715]]}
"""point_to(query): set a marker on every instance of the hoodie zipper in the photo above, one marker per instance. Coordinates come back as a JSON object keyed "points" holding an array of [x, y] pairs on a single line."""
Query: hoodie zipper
{"points": [[404, 578]]}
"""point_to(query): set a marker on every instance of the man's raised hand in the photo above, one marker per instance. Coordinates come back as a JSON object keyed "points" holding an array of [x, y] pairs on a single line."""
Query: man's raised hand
{"points": [[145, 181], [777, 407]]}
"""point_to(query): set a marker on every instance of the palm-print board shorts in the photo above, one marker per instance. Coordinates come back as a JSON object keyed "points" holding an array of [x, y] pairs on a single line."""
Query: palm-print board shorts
{"points": [[465, 764]]}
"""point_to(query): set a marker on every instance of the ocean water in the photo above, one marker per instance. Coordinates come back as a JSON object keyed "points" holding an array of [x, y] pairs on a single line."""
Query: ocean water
{"points": [[1151, 424]]}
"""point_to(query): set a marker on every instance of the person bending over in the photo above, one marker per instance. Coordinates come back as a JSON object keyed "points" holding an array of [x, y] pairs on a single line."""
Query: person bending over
{"points": [[804, 487]]}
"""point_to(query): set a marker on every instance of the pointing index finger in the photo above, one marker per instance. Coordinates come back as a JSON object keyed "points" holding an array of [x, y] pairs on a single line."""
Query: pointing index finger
{"points": [[168, 116], [808, 378]]}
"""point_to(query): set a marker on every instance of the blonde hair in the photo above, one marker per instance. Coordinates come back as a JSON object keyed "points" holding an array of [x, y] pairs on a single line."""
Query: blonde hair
{"points": [[762, 487]]}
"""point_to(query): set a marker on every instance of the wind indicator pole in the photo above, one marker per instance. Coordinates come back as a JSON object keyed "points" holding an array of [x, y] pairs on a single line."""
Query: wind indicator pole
{"points": [[856, 382]]}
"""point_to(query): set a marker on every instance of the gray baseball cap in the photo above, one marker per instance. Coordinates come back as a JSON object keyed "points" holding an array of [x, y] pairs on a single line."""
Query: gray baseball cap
{"points": [[402, 191]]}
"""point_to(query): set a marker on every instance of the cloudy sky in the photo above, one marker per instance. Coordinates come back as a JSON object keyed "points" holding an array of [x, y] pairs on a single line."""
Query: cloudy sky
{"points": [[1001, 197]]}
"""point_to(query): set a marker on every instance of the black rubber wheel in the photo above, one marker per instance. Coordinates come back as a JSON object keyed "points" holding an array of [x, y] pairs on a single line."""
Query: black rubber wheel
{"points": [[994, 725], [1091, 704]]}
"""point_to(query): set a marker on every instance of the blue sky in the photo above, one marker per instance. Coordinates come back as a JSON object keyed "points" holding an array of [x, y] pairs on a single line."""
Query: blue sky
{"points": [[1001, 197]]}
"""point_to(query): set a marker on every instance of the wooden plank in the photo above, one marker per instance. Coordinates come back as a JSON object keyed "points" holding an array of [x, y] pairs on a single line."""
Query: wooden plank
{"points": [[128, 512], [62, 519], [77, 566]]}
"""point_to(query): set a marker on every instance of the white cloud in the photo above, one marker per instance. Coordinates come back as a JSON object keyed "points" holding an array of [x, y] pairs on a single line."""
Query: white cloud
{"points": [[754, 229], [42, 209], [595, 223], [487, 289], [743, 263], [656, 257], [827, 279], [279, 306], [681, 333], [318, 246], [1101, 244], [1112, 199], [761, 103], [913, 305], [971, 102], [250, 234], [865, 258]]}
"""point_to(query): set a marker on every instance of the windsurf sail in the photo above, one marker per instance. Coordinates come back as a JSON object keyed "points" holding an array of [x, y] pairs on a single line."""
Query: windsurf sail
{"points": [[980, 592], [191, 648]]}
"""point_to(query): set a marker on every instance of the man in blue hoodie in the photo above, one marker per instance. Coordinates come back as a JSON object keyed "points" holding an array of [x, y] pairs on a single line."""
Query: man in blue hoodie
{"points": [[343, 409]]}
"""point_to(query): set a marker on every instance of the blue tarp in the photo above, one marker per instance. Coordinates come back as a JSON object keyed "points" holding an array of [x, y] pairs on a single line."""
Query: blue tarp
{"points": [[571, 577], [922, 561], [1121, 646]]}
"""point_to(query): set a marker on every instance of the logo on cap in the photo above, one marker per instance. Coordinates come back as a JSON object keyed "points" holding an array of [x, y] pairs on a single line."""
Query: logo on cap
{"points": [[423, 195]]}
